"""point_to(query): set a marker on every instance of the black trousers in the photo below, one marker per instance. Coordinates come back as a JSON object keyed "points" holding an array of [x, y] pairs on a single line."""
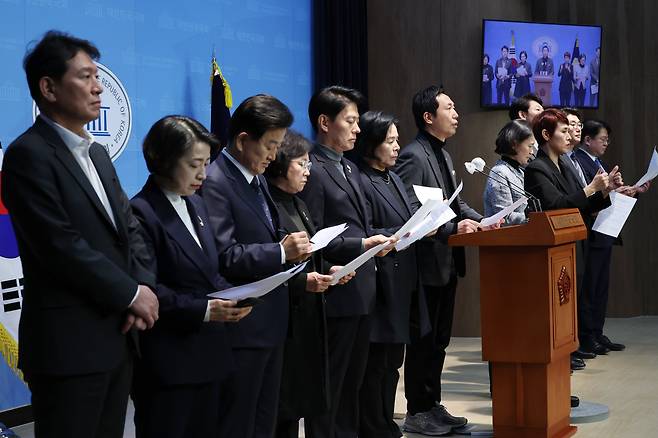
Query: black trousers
{"points": [[424, 362], [249, 403], [579, 94], [349, 339], [595, 286], [81, 406], [175, 411], [378, 391], [565, 97]]}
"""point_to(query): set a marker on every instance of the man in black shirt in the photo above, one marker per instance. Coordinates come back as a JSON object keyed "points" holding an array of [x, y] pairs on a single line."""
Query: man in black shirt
{"points": [[425, 162]]}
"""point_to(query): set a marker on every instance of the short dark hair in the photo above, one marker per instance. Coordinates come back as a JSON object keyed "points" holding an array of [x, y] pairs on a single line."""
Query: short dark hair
{"points": [[293, 146], [331, 100], [523, 52], [567, 55], [257, 115], [374, 127], [49, 57], [582, 55], [424, 101], [513, 133], [504, 47], [523, 104], [548, 120], [573, 112], [591, 129], [486, 56], [169, 139]]}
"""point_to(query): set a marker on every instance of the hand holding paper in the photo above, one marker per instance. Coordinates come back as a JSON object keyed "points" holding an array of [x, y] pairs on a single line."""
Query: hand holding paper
{"points": [[258, 288], [357, 262], [491, 220], [322, 238]]}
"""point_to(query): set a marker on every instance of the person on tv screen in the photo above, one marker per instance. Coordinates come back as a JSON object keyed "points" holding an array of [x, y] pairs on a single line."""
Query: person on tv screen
{"points": [[594, 69], [566, 80], [522, 73], [544, 65], [504, 82], [487, 77], [580, 79]]}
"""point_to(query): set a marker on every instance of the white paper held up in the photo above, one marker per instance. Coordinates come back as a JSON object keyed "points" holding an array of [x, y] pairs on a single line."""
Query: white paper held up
{"points": [[258, 288], [611, 220], [322, 238], [357, 262], [502, 213], [652, 171]]}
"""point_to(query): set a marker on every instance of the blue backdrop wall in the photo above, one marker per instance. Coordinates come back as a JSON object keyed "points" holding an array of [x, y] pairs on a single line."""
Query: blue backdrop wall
{"points": [[160, 51]]}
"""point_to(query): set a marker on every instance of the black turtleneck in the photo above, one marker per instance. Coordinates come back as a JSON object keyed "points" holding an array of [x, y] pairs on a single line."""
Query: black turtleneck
{"points": [[511, 161], [385, 177], [286, 201], [437, 146]]}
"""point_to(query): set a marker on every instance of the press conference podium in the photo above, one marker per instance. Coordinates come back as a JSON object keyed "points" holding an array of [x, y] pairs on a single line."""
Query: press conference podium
{"points": [[529, 320]]}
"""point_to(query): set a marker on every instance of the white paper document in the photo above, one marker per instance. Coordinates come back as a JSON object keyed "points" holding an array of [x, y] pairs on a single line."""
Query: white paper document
{"points": [[424, 193], [521, 71], [260, 287], [322, 238], [357, 262], [611, 220], [418, 217], [652, 171], [502, 213], [502, 71]]}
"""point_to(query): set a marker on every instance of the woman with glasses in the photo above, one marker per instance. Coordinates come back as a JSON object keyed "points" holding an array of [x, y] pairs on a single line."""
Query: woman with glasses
{"points": [[304, 384]]}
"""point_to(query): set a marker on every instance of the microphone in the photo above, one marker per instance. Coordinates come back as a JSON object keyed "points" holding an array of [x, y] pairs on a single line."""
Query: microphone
{"points": [[478, 165]]}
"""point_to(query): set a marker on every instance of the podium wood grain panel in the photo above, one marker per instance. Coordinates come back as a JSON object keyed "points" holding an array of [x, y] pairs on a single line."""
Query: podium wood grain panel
{"points": [[529, 320]]}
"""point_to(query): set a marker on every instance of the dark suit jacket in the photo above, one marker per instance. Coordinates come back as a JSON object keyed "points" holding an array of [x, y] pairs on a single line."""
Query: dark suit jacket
{"points": [[333, 200], [81, 273], [558, 188], [305, 379], [399, 292], [248, 250], [590, 169], [181, 348], [417, 165]]}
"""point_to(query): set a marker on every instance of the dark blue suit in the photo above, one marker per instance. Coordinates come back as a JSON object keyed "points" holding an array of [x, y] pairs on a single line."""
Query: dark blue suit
{"points": [[596, 280], [333, 199], [400, 312], [177, 381], [248, 249]]}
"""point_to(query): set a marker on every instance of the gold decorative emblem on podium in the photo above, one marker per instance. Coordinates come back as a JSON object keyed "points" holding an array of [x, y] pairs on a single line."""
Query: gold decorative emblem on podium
{"points": [[564, 286]]}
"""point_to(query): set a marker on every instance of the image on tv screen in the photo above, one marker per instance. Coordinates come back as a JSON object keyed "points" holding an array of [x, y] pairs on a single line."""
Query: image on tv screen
{"points": [[559, 63]]}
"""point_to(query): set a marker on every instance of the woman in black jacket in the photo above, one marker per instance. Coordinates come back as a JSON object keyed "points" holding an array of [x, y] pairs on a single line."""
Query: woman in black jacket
{"points": [[400, 312], [304, 383]]}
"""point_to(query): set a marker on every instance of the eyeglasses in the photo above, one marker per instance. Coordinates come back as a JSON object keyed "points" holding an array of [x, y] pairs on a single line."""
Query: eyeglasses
{"points": [[603, 140], [305, 164], [576, 125]]}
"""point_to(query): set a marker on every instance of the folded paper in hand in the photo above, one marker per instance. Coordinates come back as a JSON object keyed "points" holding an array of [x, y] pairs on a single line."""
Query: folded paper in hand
{"points": [[260, 287]]}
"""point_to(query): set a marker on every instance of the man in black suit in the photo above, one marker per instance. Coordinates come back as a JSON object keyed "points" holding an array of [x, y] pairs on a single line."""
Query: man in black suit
{"points": [[425, 162], [246, 225], [334, 195], [80, 247], [596, 281]]}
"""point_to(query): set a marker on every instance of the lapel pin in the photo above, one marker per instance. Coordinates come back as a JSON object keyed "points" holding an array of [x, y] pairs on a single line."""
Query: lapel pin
{"points": [[349, 169], [200, 221]]}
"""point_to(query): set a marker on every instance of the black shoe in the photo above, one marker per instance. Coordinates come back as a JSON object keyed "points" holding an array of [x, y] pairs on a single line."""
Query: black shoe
{"points": [[575, 401], [577, 364], [580, 354], [613, 346], [593, 346]]}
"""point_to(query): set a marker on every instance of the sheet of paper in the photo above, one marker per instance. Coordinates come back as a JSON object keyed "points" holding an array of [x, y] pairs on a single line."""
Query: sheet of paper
{"points": [[322, 238], [594, 89], [457, 192], [502, 71], [258, 288], [424, 193], [652, 171], [357, 262], [418, 216], [521, 71], [502, 213], [439, 216], [611, 220]]}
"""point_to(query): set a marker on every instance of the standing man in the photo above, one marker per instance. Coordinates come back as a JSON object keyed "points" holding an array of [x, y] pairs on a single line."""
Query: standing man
{"points": [[544, 65], [594, 70], [245, 222], [503, 76], [425, 162], [79, 245], [334, 196]]}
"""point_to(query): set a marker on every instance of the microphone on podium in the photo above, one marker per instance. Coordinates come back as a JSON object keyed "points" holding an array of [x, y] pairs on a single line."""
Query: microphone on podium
{"points": [[478, 165]]}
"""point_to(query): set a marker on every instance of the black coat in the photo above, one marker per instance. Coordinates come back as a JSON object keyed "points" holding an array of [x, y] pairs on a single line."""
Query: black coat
{"points": [[399, 292], [81, 273], [417, 165], [558, 188], [181, 348], [248, 250], [332, 200], [305, 382]]}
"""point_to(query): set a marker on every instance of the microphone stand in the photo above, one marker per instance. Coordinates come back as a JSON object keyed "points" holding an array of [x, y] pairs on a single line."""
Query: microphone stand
{"points": [[535, 204]]}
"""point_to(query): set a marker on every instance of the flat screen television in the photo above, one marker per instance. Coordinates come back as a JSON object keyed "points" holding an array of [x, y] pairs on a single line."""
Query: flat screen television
{"points": [[560, 63]]}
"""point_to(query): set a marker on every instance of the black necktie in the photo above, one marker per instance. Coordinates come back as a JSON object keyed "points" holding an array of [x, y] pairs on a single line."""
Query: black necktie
{"points": [[255, 184]]}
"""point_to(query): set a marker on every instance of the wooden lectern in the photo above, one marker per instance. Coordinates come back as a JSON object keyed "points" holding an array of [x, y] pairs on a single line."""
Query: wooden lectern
{"points": [[529, 320], [543, 88]]}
